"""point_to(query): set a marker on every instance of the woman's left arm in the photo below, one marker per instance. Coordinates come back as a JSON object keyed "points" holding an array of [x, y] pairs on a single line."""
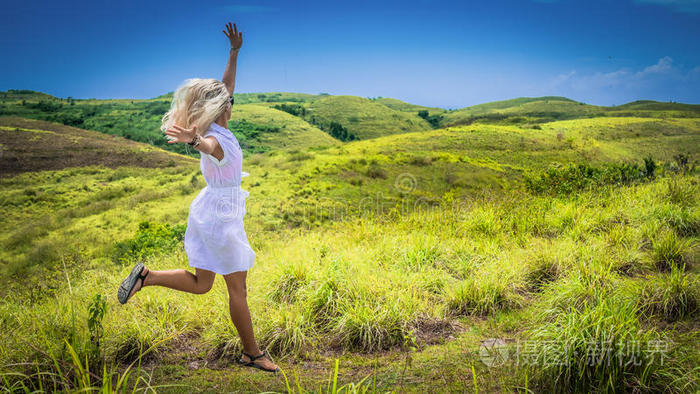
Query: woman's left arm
{"points": [[236, 39], [208, 145]]}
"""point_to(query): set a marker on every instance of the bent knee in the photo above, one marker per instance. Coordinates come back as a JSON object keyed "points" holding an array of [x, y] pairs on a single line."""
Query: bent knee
{"points": [[203, 288]]}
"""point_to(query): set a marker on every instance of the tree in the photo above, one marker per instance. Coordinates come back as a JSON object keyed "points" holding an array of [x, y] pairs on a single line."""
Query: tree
{"points": [[338, 131]]}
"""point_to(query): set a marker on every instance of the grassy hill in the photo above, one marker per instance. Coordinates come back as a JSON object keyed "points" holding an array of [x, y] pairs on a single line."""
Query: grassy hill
{"points": [[318, 185], [140, 120], [399, 255], [404, 106], [529, 110], [363, 117], [34, 145], [61, 183], [262, 128]]}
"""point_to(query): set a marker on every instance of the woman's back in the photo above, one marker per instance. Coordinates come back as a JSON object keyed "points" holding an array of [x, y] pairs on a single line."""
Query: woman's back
{"points": [[228, 171]]}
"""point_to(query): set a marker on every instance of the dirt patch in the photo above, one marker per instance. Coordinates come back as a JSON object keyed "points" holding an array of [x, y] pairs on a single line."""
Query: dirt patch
{"points": [[35, 145], [431, 330]]}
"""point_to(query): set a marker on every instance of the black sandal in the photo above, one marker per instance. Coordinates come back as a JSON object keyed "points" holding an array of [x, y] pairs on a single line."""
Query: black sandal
{"points": [[128, 284], [252, 363]]}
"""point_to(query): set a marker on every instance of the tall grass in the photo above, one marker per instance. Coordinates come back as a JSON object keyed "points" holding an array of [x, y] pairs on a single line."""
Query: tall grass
{"points": [[595, 348], [363, 285]]}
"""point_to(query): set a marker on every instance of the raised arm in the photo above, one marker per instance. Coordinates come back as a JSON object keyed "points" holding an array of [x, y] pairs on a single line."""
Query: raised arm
{"points": [[236, 39]]}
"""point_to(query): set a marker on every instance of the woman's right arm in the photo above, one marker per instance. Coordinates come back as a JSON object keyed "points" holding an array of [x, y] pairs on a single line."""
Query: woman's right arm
{"points": [[236, 39]]}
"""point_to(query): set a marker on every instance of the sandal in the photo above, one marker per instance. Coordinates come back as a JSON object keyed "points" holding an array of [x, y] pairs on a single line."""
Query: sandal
{"points": [[252, 363], [128, 284]]}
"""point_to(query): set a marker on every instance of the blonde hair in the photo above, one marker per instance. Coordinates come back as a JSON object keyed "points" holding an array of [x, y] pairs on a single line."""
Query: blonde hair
{"points": [[197, 102]]}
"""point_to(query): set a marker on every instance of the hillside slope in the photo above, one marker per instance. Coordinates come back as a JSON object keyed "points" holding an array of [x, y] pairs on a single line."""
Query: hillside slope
{"points": [[364, 118], [397, 263], [552, 108], [262, 127], [318, 185], [34, 145], [140, 120]]}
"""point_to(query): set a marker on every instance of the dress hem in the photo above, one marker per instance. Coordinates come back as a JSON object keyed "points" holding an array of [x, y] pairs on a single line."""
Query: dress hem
{"points": [[216, 271]]}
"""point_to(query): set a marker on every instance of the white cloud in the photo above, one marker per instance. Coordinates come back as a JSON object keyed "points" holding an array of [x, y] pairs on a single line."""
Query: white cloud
{"points": [[664, 64], [656, 81]]}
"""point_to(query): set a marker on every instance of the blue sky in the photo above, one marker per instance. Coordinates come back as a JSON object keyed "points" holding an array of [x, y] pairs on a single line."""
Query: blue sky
{"points": [[449, 54]]}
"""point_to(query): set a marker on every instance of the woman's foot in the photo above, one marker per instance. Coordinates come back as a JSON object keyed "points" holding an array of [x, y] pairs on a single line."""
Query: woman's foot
{"points": [[139, 284], [262, 362]]}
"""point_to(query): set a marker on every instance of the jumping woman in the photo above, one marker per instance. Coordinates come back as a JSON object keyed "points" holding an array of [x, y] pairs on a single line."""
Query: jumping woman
{"points": [[215, 240]]}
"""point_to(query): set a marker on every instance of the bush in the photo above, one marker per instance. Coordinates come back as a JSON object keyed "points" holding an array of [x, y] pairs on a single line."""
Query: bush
{"points": [[150, 239], [579, 177], [338, 131], [294, 109], [375, 171], [434, 120]]}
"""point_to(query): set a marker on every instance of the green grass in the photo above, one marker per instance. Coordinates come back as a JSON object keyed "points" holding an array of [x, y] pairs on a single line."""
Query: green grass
{"points": [[531, 111], [308, 284], [396, 256], [362, 117]]}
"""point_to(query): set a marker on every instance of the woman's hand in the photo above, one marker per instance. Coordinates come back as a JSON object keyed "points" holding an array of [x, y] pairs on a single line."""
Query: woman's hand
{"points": [[234, 36], [179, 134]]}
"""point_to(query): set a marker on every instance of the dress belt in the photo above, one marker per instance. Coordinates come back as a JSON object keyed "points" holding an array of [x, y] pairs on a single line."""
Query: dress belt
{"points": [[226, 190], [223, 187]]}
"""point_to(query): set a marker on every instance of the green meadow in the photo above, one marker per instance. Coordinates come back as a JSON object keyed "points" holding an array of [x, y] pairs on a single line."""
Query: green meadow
{"points": [[527, 245]]}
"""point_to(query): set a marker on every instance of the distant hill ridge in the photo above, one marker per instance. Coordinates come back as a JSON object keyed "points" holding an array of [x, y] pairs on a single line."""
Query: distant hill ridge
{"points": [[288, 120], [261, 97]]}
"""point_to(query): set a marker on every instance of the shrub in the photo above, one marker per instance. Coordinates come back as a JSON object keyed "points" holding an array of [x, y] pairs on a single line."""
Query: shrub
{"points": [[584, 176], [420, 160], [293, 109], [338, 131], [150, 239], [300, 156], [375, 171], [649, 167], [434, 120]]}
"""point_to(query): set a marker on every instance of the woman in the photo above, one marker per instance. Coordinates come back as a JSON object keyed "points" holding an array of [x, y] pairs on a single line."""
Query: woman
{"points": [[215, 241]]}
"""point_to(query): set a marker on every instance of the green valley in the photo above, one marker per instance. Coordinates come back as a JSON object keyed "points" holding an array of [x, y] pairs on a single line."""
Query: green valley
{"points": [[550, 227]]}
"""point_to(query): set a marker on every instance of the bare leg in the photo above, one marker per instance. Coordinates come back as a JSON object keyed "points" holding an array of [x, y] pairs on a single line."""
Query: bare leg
{"points": [[198, 283], [240, 315]]}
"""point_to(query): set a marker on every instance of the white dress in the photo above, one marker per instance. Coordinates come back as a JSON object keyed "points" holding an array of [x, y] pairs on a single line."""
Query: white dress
{"points": [[215, 239]]}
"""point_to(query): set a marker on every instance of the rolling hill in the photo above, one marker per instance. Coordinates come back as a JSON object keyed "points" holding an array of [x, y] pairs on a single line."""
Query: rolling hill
{"points": [[264, 127], [532, 110], [34, 145], [423, 243], [261, 125], [363, 117], [61, 183]]}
